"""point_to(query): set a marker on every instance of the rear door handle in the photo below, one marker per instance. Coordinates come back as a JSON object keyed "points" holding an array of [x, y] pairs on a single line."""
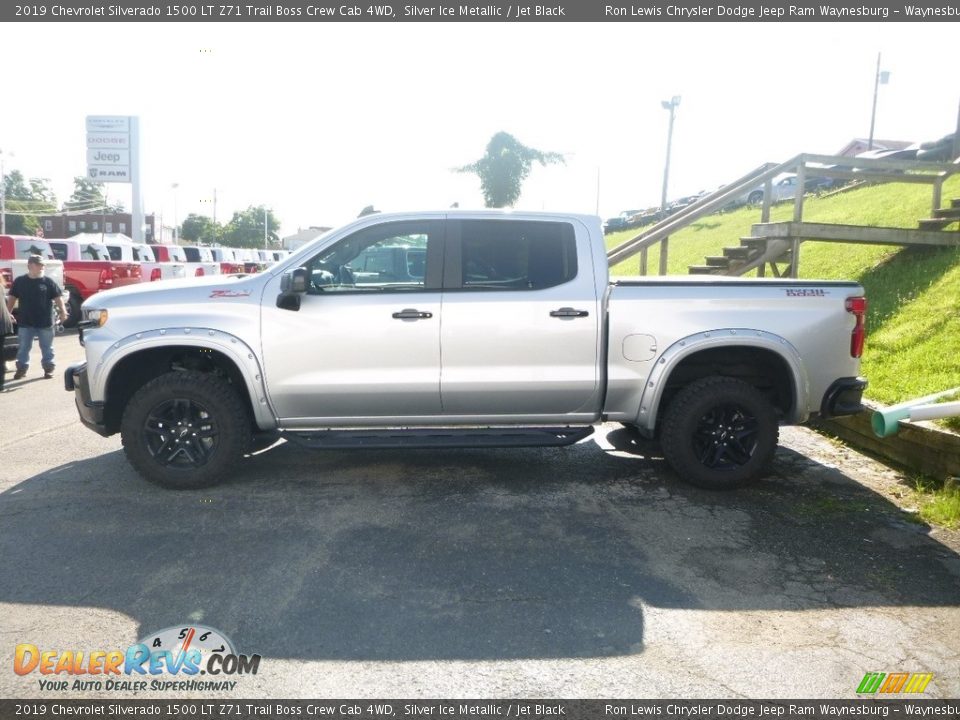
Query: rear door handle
{"points": [[412, 314], [568, 312]]}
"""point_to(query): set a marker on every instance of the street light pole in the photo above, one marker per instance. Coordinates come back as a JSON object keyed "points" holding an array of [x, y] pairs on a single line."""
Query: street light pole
{"points": [[882, 78], [670, 105]]}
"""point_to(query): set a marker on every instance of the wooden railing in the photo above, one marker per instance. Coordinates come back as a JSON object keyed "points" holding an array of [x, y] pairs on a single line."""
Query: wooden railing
{"points": [[805, 165]]}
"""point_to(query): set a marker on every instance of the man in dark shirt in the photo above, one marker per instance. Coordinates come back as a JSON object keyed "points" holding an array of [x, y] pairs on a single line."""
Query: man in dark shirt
{"points": [[35, 293]]}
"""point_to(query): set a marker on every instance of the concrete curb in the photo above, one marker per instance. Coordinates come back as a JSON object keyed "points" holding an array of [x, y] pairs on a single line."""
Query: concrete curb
{"points": [[920, 446]]}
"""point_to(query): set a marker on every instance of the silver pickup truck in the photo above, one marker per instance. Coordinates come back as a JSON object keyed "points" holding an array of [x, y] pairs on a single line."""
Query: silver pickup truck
{"points": [[464, 329]]}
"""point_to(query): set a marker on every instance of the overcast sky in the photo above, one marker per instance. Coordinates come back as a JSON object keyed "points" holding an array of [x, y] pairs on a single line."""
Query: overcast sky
{"points": [[318, 120]]}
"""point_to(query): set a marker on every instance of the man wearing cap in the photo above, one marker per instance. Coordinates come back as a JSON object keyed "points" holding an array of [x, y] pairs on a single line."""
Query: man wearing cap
{"points": [[35, 293]]}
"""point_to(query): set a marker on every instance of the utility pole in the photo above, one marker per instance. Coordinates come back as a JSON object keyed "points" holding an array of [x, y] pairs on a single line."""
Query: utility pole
{"points": [[3, 196], [956, 137], [881, 78], [266, 245]]}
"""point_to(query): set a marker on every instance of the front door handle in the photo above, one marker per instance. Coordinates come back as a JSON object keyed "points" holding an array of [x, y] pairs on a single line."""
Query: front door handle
{"points": [[568, 312], [412, 314]]}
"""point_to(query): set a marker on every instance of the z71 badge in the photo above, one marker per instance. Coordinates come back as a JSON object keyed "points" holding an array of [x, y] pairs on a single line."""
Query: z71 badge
{"points": [[229, 293]]}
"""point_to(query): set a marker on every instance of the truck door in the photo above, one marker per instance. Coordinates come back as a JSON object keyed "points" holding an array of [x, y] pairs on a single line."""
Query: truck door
{"points": [[364, 345], [521, 322]]}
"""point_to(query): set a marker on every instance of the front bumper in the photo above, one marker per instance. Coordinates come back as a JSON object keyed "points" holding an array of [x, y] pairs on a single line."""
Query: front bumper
{"points": [[843, 397], [91, 413]]}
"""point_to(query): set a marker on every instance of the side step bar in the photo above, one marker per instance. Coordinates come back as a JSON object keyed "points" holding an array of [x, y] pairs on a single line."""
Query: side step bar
{"points": [[439, 437]]}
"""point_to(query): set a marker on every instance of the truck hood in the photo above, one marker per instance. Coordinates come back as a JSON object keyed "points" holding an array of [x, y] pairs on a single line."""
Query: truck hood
{"points": [[186, 290]]}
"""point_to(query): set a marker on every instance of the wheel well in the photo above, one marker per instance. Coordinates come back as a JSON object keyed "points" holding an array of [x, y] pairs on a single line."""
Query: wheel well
{"points": [[764, 369], [136, 370]]}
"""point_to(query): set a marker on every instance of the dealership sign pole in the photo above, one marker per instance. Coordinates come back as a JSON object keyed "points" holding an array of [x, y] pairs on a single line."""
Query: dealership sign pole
{"points": [[113, 155]]}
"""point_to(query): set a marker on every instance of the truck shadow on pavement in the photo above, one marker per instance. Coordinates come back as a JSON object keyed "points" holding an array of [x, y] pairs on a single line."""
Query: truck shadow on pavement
{"points": [[457, 554]]}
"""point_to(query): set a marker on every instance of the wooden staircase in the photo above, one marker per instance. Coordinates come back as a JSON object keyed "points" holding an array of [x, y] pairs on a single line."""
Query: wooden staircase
{"points": [[775, 244]]}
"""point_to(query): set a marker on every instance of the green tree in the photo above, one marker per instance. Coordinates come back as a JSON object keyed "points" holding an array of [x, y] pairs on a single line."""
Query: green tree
{"points": [[245, 229], [200, 229], [25, 200], [90, 196], [504, 167]]}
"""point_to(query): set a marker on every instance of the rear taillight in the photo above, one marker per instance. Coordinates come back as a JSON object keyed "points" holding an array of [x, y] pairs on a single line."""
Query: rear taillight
{"points": [[858, 307], [198, 273], [106, 279], [155, 274]]}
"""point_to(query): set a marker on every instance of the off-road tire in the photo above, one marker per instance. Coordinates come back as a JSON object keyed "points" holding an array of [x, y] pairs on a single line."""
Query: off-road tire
{"points": [[185, 430], [73, 303], [720, 433]]}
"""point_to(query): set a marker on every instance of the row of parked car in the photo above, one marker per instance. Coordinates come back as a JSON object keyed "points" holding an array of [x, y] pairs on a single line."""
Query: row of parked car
{"points": [[784, 187], [88, 263]]}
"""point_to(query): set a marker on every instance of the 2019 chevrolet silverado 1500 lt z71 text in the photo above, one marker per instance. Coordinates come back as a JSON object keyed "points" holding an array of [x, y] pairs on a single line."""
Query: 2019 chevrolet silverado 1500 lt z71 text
{"points": [[459, 328]]}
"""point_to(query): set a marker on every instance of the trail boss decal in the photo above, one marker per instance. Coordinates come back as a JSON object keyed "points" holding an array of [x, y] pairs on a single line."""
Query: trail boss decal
{"points": [[806, 292]]}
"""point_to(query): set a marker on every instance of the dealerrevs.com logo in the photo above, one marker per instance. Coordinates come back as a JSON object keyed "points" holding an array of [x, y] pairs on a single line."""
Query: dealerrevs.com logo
{"points": [[169, 660]]}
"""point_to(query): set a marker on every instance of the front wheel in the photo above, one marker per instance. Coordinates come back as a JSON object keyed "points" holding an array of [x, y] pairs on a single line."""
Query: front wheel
{"points": [[74, 301], [755, 198], [720, 433], [185, 430]]}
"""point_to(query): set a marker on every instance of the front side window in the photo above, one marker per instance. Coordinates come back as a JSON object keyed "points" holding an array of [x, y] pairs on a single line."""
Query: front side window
{"points": [[513, 255], [385, 258]]}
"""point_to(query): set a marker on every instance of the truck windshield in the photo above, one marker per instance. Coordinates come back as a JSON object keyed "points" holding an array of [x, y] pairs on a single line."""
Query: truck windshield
{"points": [[34, 246]]}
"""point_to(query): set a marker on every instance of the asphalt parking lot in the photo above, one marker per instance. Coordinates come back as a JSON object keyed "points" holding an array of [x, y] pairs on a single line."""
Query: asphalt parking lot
{"points": [[589, 571]]}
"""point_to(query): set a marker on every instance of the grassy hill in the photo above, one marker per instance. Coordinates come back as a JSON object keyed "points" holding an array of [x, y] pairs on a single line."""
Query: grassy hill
{"points": [[913, 321]]}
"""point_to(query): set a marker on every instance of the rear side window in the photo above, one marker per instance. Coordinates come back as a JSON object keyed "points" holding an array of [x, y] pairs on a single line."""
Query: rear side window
{"points": [[514, 255]]}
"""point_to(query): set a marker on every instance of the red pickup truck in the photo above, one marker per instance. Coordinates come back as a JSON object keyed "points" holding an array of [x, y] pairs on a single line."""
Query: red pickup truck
{"points": [[88, 269], [14, 251]]}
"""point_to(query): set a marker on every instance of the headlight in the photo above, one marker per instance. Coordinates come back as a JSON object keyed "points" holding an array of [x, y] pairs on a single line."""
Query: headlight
{"points": [[94, 317]]}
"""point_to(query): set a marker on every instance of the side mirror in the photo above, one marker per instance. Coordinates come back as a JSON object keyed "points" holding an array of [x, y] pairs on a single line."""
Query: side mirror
{"points": [[293, 284]]}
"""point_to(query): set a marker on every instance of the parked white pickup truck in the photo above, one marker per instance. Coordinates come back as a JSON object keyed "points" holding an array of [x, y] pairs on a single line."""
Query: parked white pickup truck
{"points": [[152, 268], [456, 329]]}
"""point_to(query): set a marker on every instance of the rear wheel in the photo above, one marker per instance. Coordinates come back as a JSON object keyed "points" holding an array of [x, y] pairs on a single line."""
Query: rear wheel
{"points": [[755, 198], [185, 430], [720, 433]]}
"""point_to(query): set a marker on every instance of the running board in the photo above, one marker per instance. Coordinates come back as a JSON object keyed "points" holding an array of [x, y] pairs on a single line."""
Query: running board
{"points": [[439, 437]]}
